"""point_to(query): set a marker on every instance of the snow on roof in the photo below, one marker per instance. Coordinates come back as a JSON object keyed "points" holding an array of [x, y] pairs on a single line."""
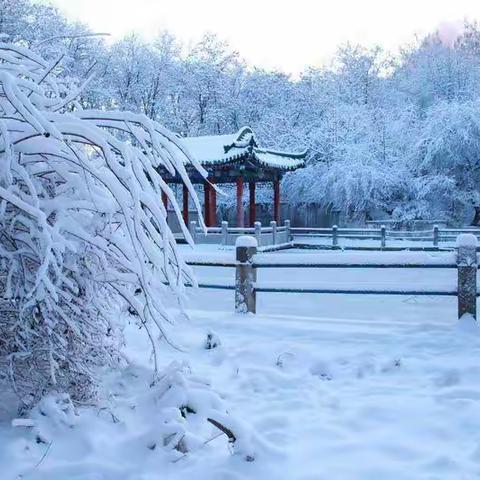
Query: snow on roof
{"points": [[279, 159], [218, 149]]}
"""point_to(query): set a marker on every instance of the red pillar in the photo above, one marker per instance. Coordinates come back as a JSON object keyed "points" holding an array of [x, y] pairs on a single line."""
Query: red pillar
{"points": [[185, 204], [276, 201], [206, 203], [251, 204], [240, 202], [213, 204]]}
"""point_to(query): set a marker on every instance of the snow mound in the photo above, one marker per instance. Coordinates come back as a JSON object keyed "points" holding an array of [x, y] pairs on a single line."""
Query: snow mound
{"points": [[246, 241], [466, 240], [468, 324]]}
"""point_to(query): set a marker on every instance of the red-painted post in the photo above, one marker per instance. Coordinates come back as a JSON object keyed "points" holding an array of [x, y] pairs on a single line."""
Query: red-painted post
{"points": [[240, 222], [251, 205], [213, 204], [276, 201]]}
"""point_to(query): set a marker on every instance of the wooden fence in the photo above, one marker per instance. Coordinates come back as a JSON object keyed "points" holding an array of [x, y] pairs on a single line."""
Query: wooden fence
{"points": [[247, 262], [332, 235]]}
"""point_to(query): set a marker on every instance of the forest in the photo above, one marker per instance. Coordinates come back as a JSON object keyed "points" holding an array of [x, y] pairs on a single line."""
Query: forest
{"points": [[389, 135]]}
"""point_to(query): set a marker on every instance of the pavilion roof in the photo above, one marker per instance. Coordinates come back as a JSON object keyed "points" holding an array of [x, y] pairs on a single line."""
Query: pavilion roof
{"points": [[233, 148]]}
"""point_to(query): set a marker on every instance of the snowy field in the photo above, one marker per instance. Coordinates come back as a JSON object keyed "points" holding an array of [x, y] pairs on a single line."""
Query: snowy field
{"points": [[335, 387]]}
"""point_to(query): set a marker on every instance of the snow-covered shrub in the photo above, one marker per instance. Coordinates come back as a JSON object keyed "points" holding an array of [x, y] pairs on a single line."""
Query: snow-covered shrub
{"points": [[187, 412], [82, 225]]}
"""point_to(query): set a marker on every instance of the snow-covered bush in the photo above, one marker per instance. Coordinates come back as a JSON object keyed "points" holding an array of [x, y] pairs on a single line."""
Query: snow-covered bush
{"points": [[82, 225], [179, 414]]}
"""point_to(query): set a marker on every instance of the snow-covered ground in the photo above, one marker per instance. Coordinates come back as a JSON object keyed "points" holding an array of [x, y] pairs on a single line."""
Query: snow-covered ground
{"points": [[335, 387]]}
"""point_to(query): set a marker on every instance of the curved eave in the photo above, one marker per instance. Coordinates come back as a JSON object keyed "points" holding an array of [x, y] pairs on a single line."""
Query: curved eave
{"points": [[279, 153], [288, 162], [225, 160], [285, 168]]}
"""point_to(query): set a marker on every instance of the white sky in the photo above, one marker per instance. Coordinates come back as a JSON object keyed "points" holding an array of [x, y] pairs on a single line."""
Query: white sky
{"points": [[283, 34]]}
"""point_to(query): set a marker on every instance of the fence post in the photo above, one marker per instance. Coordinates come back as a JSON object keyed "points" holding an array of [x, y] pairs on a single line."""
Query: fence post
{"points": [[245, 275], [334, 235], [224, 232], [258, 233], [383, 235], [193, 230], [287, 231], [273, 225], [467, 274], [435, 235]]}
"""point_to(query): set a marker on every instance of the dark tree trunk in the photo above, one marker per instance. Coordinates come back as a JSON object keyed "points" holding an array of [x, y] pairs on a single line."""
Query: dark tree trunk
{"points": [[476, 217]]}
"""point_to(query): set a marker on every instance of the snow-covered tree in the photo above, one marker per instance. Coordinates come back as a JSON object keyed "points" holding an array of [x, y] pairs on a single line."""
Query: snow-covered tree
{"points": [[82, 224], [447, 159]]}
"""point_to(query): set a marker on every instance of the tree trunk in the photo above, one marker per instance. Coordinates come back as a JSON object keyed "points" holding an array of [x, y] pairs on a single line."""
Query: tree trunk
{"points": [[476, 217]]}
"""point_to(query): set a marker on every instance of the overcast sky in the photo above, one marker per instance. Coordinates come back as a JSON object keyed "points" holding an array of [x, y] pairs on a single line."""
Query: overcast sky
{"points": [[283, 34]]}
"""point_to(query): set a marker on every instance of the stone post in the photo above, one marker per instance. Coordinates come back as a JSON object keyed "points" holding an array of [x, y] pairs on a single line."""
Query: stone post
{"points": [[273, 225], [334, 235], [245, 275], [288, 234], [467, 274], [436, 235], [258, 233], [383, 236], [224, 233]]}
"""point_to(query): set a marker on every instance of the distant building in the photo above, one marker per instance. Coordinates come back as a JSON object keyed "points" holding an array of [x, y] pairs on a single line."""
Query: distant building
{"points": [[236, 158]]}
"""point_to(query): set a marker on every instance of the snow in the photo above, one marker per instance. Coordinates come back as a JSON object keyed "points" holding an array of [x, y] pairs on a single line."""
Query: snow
{"points": [[314, 386], [211, 149], [278, 159], [246, 241], [356, 258], [318, 386], [467, 240], [23, 422], [468, 325]]}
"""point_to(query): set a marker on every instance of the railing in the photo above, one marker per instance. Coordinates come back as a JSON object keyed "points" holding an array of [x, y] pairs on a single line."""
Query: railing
{"points": [[282, 235], [225, 235], [382, 235], [248, 262]]}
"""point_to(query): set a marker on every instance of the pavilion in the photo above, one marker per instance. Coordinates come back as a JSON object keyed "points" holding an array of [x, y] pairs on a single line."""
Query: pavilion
{"points": [[236, 158]]}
